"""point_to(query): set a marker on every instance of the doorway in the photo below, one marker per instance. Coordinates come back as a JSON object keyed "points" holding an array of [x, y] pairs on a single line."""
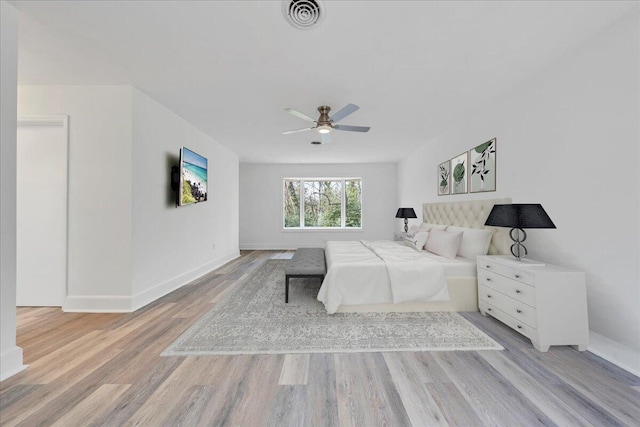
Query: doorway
{"points": [[42, 159]]}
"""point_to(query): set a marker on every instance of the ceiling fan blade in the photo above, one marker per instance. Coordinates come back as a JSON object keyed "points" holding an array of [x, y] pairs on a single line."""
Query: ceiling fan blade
{"points": [[299, 115], [352, 128], [289, 132], [344, 112], [326, 138]]}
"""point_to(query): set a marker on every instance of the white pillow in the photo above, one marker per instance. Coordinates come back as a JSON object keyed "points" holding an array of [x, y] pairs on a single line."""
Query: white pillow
{"points": [[428, 227], [412, 230], [417, 242], [474, 241], [444, 243]]}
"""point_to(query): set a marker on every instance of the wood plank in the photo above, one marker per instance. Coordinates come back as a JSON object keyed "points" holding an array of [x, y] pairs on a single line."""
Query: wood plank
{"points": [[230, 388], [515, 344], [457, 411], [97, 403], [285, 408], [534, 390], [11, 395], [295, 369], [261, 386], [33, 403], [160, 404], [189, 407], [366, 393], [322, 401], [138, 394], [228, 286], [410, 381], [588, 409], [619, 399], [495, 400]]}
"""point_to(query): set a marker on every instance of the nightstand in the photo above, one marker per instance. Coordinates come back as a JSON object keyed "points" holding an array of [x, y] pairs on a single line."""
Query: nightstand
{"points": [[545, 303]]}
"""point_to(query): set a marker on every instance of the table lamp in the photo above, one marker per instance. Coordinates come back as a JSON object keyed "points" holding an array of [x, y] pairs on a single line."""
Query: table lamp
{"points": [[406, 213], [519, 216]]}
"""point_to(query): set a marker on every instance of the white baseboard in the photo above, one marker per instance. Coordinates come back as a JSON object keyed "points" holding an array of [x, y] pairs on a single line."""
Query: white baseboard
{"points": [[97, 304], [11, 363], [128, 304], [149, 295], [621, 355]]}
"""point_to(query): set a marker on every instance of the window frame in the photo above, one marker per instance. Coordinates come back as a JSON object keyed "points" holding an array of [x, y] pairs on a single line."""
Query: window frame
{"points": [[343, 204]]}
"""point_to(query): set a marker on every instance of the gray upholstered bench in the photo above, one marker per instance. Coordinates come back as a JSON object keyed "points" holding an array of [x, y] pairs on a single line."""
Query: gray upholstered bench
{"points": [[306, 262]]}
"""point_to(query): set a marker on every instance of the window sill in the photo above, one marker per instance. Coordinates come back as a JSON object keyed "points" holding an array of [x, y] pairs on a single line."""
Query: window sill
{"points": [[322, 230]]}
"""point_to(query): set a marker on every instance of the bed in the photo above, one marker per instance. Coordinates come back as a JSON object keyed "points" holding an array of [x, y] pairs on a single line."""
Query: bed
{"points": [[358, 272]]}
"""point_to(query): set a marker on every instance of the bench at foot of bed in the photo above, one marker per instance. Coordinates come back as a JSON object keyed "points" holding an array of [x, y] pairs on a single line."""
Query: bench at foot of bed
{"points": [[306, 263]]}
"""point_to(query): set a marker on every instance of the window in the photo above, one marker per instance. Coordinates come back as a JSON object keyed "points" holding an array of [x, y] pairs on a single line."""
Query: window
{"points": [[322, 203]]}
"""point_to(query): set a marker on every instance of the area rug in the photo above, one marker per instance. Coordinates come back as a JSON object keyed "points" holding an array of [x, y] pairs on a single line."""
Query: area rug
{"points": [[254, 319]]}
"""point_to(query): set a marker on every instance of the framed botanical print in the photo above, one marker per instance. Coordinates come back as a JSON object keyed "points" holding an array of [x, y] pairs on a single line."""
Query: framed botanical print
{"points": [[444, 178], [459, 174], [483, 167]]}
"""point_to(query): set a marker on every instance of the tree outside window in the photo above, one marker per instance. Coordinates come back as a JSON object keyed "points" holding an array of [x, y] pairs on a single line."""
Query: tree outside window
{"points": [[322, 203]]}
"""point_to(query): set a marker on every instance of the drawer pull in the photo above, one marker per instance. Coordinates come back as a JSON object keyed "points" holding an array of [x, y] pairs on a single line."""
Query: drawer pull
{"points": [[488, 266], [488, 279], [518, 291], [489, 309], [519, 327], [517, 276], [488, 296], [518, 311]]}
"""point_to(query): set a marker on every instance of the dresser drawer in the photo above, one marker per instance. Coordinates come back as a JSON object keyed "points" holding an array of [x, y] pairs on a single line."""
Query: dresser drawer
{"points": [[519, 291], [511, 273], [517, 309], [513, 323]]}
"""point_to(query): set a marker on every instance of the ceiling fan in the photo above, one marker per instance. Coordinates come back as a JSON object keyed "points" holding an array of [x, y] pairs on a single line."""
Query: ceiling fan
{"points": [[326, 123]]}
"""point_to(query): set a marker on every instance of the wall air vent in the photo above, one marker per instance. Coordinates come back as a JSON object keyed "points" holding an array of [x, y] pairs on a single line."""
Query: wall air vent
{"points": [[303, 14]]}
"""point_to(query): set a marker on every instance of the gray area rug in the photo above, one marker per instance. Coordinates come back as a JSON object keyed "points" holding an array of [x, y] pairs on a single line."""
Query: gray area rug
{"points": [[254, 319]]}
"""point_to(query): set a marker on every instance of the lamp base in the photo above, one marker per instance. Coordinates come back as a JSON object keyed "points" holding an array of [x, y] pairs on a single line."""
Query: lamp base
{"points": [[518, 250], [406, 225]]}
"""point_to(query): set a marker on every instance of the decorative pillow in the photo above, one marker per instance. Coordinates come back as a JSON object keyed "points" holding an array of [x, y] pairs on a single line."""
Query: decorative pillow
{"points": [[412, 231], [444, 243], [474, 241], [428, 227], [417, 242]]}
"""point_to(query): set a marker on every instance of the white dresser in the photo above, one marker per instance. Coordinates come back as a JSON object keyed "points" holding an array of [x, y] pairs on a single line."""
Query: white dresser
{"points": [[547, 304]]}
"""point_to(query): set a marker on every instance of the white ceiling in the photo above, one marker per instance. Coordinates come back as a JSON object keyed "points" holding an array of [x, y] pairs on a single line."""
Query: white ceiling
{"points": [[231, 67]]}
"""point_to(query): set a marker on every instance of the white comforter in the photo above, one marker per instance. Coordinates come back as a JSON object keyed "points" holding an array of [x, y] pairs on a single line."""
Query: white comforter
{"points": [[377, 272]]}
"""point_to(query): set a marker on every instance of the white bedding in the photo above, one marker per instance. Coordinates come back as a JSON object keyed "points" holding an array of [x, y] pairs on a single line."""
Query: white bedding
{"points": [[379, 272], [457, 267]]}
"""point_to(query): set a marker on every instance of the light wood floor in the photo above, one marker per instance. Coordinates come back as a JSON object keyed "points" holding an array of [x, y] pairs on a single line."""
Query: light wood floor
{"points": [[105, 369]]}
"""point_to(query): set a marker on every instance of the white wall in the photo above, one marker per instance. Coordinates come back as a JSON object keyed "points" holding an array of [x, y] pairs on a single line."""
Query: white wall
{"points": [[172, 246], [261, 195], [100, 188], [10, 354], [568, 139], [41, 208], [128, 244]]}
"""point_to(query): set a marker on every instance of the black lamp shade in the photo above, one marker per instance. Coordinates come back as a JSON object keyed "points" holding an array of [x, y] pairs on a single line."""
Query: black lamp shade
{"points": [[406, 213], [519, 216]]}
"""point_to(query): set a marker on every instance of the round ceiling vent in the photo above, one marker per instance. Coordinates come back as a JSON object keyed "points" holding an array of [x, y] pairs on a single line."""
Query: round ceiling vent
{"points": [[302, 14]]}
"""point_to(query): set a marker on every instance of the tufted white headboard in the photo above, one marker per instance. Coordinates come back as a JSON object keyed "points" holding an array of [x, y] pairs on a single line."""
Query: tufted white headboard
{"points": [[470, 214]]}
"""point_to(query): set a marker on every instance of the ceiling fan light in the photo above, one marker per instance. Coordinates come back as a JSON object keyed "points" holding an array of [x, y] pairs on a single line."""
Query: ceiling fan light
{"points": [[324, 129]]}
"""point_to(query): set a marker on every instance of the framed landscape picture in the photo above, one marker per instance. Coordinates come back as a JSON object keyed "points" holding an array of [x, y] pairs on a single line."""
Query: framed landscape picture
{"points": [[459, 174], [483, 167], [444, 178]]}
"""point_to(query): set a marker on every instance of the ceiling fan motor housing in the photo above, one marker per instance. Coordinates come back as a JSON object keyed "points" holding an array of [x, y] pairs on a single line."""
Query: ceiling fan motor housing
{"points": [[324, 121]]}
